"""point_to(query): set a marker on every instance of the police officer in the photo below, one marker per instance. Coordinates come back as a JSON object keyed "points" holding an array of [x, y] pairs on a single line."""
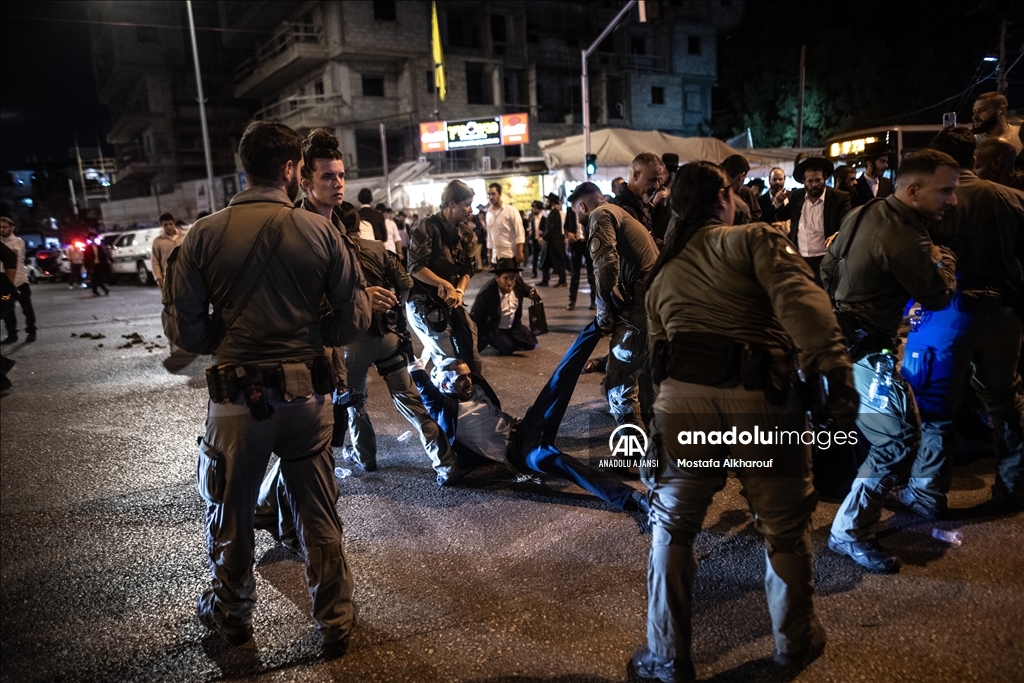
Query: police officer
{"points": [[385, 347], [727, 306], [263, 267], [976, 337], [441, 262], [883, 256], [624, 254]]}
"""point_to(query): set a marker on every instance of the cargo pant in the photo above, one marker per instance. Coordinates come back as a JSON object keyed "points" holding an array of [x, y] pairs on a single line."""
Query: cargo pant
{"points": [[457, 340], [371, 349], [974, 338], [782, 498], [233, 458], [894, 434], [626, 383]]}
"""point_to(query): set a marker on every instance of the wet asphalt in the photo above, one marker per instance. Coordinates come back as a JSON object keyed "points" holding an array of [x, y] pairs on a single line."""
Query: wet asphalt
{"points": [[103, 553]]}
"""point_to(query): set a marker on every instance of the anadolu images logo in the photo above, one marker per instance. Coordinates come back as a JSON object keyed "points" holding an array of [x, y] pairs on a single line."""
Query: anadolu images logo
{"points": [[628, 441]]}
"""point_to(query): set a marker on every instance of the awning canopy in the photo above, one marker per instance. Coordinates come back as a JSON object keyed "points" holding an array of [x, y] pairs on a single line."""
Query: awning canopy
{"points": [[616, 147]]}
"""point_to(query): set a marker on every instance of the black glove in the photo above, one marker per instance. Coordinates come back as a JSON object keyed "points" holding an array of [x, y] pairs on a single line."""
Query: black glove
{"points": [[843, 399]]}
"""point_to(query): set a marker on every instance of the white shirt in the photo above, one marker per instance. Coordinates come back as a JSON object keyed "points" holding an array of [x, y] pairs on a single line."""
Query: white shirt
{"points": [[17, 245], [483, 428], [811, 235], [393, 235], [504, 231], [872, 183], [366, 231], [509, 304]]}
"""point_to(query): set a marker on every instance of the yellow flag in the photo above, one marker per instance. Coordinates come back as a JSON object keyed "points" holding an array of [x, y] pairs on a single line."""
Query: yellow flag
{"points": [[440, 82]]}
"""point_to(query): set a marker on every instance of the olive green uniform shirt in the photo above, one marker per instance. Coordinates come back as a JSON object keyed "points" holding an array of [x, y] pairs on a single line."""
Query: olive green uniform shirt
{"points": [[748, 283], [891, 259]]}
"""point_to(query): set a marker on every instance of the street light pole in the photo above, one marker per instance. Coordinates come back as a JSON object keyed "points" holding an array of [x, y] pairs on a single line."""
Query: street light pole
{"points": [[585, 79], [202, 109]]}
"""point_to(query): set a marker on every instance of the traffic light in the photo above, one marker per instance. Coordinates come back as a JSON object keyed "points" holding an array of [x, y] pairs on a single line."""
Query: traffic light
{"points": [[591, 165]]}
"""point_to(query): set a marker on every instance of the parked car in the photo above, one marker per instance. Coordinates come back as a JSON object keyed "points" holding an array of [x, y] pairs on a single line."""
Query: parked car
{"points": [[42, 265], [131, 252]]}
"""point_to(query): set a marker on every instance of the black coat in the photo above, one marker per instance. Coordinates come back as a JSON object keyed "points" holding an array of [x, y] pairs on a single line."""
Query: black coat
{"points": [[376, 219], [837, 205], [885, 188], [486, 311]]}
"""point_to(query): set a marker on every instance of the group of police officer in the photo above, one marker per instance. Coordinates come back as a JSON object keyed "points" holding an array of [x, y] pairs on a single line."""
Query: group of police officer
{"points": [[722, 327]]}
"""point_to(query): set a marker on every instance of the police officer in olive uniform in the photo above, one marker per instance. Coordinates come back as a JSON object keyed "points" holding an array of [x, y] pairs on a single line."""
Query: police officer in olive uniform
{"points": [[728, 306], [883, 256], [264, 267], [624, 254], [976, 337]]}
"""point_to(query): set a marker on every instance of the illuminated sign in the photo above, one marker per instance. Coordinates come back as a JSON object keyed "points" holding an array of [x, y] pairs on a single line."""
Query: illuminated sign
{"points": [[433, 137], [845, 147], [479, 133], [515, 129], [509, 129]]}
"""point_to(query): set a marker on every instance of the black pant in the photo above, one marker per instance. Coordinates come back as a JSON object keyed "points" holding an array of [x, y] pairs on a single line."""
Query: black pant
{"points": [[578, 256], [11, 321], [75, 276], [516, 338], [98, 278]]}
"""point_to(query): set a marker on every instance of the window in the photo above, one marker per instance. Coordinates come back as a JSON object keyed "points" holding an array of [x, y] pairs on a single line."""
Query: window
{"points": [[293, 104], [384, 10], [146, 34], [373, 86], [462, 31], [499, 31], [616, 98], [657, 95], [693, 102], [318, 89], [430, 82], [638, 46], [693, 45], [477, 90]]}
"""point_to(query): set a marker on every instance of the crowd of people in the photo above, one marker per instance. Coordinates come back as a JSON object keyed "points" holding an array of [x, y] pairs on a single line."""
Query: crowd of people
{"points": [[726, 308]]}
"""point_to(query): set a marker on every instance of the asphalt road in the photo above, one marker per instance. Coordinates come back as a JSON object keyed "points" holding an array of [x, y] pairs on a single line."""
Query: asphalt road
{"points": [[103, 556]]}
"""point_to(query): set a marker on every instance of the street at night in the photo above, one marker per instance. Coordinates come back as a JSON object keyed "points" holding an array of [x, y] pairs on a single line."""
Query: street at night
{"points": [[103, 554], [547, 341]]}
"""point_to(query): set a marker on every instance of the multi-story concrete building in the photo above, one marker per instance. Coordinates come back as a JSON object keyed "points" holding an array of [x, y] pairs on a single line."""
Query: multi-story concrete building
{"points": [[142, 59], [353, 65]]}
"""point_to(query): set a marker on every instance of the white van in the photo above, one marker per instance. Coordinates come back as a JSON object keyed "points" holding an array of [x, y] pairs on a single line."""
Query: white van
{"points": [[130, 254]]}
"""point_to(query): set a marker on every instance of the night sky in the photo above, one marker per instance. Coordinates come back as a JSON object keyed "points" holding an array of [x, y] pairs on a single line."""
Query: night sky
{"points": [[47, 93]]}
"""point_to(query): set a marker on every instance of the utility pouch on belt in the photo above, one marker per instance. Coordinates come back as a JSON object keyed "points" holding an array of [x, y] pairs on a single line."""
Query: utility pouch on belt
{"points": [[323, 376], [222, 382]]}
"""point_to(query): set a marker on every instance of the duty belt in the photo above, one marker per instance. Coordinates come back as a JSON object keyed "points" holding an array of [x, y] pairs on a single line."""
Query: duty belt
{"points": [[227, 380], [720, 361]]}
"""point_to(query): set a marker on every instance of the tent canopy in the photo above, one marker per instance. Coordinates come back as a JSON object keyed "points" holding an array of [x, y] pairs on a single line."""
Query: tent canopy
{"points": [[618, 146]]}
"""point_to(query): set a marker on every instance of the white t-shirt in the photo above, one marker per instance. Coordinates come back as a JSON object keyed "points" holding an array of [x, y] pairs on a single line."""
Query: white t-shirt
{"points": [[393, 235], [504, 231]]}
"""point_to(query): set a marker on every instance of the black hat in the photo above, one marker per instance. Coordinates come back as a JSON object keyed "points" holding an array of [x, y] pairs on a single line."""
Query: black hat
{"points": [[554, 198], [813, 163], [671, 161], [506, 265]]}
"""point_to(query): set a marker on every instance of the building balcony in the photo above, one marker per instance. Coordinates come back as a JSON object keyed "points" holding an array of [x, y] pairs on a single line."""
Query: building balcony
{"points": [[293, 51], [307, 111], [635, 63]]}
